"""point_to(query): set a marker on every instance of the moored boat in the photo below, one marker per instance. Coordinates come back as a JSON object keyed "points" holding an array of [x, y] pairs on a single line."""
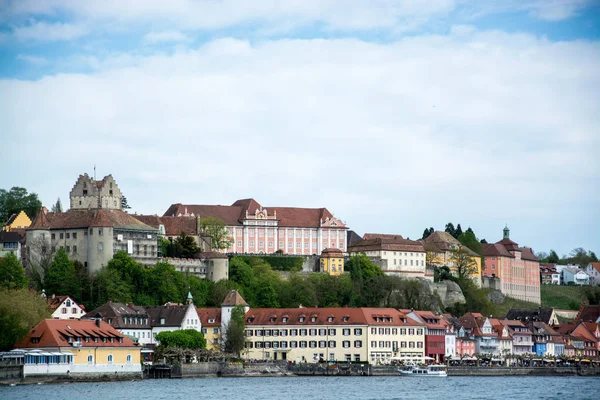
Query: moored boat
{"points": [[429, 370]]}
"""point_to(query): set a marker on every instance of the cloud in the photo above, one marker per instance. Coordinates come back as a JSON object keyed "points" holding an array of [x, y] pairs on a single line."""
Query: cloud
{"points": [[49, 32], [34, 60], [480, 127], [557, 10], [165, 36]]}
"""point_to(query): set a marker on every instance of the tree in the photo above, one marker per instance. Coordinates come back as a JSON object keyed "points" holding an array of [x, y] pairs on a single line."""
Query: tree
{"points": [[469, 240], [57, 207], [450, 228], [580, 257], [12, 274], [164, 247], [38, 258], [240, 272], [458, 231], [20, 310], [235, 331], [124, 204], [16, 200], [183, 339], [166, 284], [427, 232], [61, 277], [483, 241], [593, 257], [463, 264], [185, 246], [215, 228]]}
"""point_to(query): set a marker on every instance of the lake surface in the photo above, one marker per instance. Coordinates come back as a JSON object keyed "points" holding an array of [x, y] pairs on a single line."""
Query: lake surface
{"points": [[506, 388]]}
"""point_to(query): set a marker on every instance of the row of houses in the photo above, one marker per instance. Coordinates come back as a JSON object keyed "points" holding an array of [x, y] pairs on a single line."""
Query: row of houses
{"points": [[555, 274], [373, 335]]}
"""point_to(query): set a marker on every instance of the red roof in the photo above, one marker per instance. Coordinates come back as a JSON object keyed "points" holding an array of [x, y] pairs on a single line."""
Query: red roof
{"points": [[379, 244], [235, 213], [209, 314], [75, 218], [368, 236], [55, 302], [596, 266], [56, 333], [233, 298]]}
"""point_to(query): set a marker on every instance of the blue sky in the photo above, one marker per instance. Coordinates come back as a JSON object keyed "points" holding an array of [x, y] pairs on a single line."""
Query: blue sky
{"points": [[396, 115]]}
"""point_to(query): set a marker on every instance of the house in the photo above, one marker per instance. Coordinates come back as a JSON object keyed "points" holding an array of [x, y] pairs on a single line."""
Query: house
{"points": [[232, 300], [548, 274], [210, 319], [10, 242], [581, 339], [482, 330], [458, 343], [517, 268], [170, 227], [93, 229], [17, 221], [332, 261], [505, 340], [588, 313], [376, 335], [545, 315], [546, 340], [575, 276], [522, 341], [129, 319], [394, 255], [256, 229], [435, 333], [172, 317], [441, 247], [79, 348], [64, 307], [593, 271]]}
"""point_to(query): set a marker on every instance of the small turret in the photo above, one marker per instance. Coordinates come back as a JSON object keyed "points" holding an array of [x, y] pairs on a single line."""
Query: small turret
{"points": [[506, 232]]}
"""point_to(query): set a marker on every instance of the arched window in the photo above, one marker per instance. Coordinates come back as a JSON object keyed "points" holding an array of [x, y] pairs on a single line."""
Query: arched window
{"points": [[90, 359], [128, 358], [68, 303], [110, 359]]}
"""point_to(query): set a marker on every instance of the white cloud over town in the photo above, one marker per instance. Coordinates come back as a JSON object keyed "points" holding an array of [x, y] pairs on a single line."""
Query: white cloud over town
{"points": [[478, 127]]}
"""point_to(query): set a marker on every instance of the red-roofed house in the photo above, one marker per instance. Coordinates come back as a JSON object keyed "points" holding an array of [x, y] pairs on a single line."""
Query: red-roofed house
{"points": [[517, 268], [593, 270], [319, 334], [64, 307], [79, 348], [264, 230], [435, 333]]}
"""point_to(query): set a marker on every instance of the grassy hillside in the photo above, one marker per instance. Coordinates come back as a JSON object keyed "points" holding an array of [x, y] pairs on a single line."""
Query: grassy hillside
{"points": [[562, 297]]}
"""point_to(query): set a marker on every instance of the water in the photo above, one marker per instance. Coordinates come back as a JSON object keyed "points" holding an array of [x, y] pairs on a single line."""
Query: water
{"points": [[390, 387]]}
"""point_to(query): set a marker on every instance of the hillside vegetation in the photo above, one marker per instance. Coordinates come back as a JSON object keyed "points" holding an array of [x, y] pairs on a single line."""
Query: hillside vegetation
{"points": [[562, 297]]}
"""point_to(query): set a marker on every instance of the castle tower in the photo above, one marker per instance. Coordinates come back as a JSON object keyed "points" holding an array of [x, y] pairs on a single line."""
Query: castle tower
{"points": [[232, 300], [88, 193], [506, 232]]}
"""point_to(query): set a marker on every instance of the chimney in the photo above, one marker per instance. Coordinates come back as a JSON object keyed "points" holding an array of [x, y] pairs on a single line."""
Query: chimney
{"points": [[98, 322]]}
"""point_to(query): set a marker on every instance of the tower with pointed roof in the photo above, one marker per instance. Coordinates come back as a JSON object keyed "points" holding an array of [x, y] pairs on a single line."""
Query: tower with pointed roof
{"points": [[506, 232], [233, 299]]}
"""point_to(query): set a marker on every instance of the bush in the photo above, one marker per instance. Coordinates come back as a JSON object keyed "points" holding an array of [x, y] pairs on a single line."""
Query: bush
{"points": [[278, 263]]}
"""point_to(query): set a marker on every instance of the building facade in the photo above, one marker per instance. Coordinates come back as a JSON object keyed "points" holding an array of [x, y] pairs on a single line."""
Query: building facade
{"points": [[394, 254], [96, 349], [441, 247], [517, 268], [332, 261], [593, 271], [64, 307], [256, 229]]}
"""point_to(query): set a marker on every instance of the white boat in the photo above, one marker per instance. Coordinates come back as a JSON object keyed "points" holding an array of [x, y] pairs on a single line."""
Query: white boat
{"points": [[429, 370]]}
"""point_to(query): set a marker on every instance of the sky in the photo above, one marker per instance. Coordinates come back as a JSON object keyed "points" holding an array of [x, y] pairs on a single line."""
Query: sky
{"points": [[395, 115]]}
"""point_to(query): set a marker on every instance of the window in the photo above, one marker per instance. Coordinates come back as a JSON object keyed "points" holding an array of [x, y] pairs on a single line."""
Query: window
{"points": [[100, 246], [331, 344], [90, 359], [74, 235], [331, 332], [322, 344], [64, 310], [313, 332], [293, 332], [411, 331], [403, 345], [358, 331], [357, 357], [68, 249], [322, 332], [419, 331], [346, 344], [303, 332], [74, 249], [373, 331], [312, 344], [62, 235], [53, 236], [110, 359], [128, 358], [394, 331], [290, 245], [411, 345], [99, 231], [373, 344], [303, 344], [239, 243], [74, 310], [358, 344], [68, 235]]}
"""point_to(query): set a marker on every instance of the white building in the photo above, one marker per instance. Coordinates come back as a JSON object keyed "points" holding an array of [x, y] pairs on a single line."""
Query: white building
{"points": [[593, 271], [64, 307]]}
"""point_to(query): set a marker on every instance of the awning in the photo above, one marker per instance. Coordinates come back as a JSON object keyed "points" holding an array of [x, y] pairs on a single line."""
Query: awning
{"points": [[469, 359]]}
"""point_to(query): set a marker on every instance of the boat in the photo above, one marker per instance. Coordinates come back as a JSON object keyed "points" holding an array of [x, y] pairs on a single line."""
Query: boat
{"points": [[412, 369]]}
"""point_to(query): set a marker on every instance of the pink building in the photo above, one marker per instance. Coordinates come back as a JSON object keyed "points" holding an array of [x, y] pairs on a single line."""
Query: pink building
{"points": [[517, 268], [264, 230]]}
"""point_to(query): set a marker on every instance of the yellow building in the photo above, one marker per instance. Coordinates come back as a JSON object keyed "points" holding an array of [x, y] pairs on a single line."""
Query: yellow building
{"points": [[96, 348], [332, 261], [17, 221], [441, 249], [211, 327]]}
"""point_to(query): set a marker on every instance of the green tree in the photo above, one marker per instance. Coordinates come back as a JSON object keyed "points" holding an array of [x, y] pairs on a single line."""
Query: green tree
{"points": [[462, 263], [164, 247], [580, 257], [107, 285], [61, 276], [427, 232], [240, 272], [57, 207], [12, 273], [235, 331], [450, 228], [469, 240], [298, 290], [129, 270], [183, 339], [266, 295], [185, 246], [17, 199], [458, 231], [215, 228], [124, 204], [367, 268], [20, 310], [166, 284], [593, 257]]}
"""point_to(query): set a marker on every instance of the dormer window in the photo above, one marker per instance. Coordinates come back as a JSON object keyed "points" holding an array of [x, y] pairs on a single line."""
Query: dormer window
{"points": [[329, 319], [301, 319], [345, 318], [272, 319], [212, 321], [162, 321], [250, 319], [68, 303], [284, 319], [313, 319]]}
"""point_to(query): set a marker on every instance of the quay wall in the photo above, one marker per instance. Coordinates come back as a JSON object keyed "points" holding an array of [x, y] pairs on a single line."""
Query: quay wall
{"points": [[522, 371]]}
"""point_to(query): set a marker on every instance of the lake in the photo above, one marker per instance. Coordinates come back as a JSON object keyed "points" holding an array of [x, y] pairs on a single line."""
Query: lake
{"points": [[389, 387]]}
